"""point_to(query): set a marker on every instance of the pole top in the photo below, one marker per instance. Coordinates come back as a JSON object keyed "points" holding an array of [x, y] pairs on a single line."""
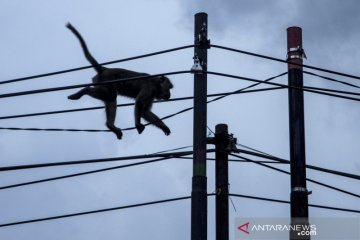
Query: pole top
{"points": [[201, 13], [294, 28], [221, 128], [295, 52]]}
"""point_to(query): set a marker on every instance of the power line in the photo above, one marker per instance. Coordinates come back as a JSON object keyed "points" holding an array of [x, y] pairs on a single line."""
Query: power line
{"points": [[332, 90], [250, 86], [37, 91], [332, 79], [174, 149], [285, 61], [82, 173], [131, 104], [94, 211], [287, 202], [89, 66], [102, 160], [222, 95], [342, 174], [159, 202], [54, 89], [286, 86], [288, 173], [253, 149], [238, 160], [109, 169]]}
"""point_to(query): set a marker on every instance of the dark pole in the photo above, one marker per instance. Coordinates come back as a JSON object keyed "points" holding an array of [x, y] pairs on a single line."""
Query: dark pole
{"points": [[299, 193], [222, 182], [199, 184]]}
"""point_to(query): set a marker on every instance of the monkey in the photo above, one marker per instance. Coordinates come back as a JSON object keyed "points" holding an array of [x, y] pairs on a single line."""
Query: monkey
{"points": [[144, 91]]}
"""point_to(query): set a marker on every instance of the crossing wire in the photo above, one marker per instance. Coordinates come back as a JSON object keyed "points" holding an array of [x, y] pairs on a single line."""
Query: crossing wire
{"points": [[287, 202], [267, 81], [288, 173], [112, 168], [94, 211], [107, 169], [101, 160], [322, 92], [331, 79], [130, 104], [55, 89], [89, 66], [285, 61], [85, 173], [160, 202], [242, 90], [339, 173]]}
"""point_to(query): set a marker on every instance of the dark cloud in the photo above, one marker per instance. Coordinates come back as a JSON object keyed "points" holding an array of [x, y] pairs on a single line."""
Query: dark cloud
{"points": [[329, 18]]}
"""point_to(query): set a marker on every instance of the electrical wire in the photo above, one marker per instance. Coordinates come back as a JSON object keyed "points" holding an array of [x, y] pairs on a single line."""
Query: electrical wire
{"points": [[331, 79], [285, 61], [94, 211], [159, 202], [83, 173], [131, 104], [250, 86], [332, 90], [101, 160], [55, 89], [288, 173], [283, 85], [287, 202], [174, 149], [242, 90], [109, 169], [89, 66], [342, 174], [238, 160]]}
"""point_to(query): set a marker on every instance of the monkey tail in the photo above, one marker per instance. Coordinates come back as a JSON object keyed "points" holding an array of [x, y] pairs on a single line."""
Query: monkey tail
{"points": [[88, 56]]}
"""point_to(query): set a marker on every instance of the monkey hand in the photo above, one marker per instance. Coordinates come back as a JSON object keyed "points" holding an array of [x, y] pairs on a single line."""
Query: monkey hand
{"points": [[118, 133], [139, 127], [166, 130]]}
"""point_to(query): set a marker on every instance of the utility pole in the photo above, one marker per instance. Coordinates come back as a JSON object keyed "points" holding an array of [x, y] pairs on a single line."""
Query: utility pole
{"points": [[199, 180], [222, 142], [299, 193]]}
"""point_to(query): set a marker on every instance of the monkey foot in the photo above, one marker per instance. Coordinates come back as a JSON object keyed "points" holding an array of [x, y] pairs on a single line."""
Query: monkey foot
{"points": [[74, 96], [140, 128], [119, 135]]}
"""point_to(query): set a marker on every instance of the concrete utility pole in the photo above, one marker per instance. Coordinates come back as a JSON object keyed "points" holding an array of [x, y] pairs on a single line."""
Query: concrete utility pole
{"points": [[199, 180], [299, 193]]}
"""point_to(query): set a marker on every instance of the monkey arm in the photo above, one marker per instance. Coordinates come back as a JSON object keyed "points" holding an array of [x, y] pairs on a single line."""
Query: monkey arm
{"points": [[142, 104], [110, 108], [152, 118]]}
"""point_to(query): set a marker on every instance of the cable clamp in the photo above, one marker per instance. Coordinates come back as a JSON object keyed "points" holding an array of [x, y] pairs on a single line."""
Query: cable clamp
{"points": [[202, 40], [296, 53], [301, 189], [197, 67], [232, 144]]}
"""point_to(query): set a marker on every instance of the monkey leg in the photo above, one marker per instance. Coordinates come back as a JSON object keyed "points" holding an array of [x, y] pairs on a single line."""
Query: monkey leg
{"points": [[153, 119], [142, 104], [78, 94], [104, 93], [110, 108]]}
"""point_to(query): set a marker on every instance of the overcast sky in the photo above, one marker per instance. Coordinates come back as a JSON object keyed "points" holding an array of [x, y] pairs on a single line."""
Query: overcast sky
{"points": [[34, 40]]}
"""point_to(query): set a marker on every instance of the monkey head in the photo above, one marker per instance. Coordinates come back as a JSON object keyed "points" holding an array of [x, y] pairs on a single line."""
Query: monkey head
{"points": [[164, 88]]}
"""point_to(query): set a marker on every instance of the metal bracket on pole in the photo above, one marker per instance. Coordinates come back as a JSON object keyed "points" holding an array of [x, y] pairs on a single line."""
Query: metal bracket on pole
{"points": [[197, 67], [202, 41], [296, 52], [232, 144]]}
